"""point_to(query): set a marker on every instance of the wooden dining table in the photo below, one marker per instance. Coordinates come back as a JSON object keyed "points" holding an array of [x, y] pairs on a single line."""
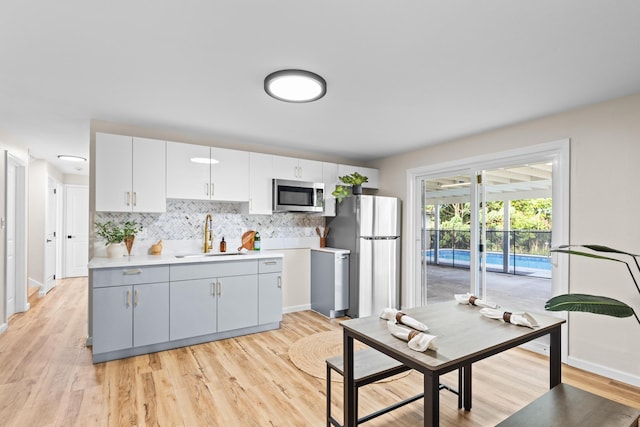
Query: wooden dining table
{"points": [[464, 336]]}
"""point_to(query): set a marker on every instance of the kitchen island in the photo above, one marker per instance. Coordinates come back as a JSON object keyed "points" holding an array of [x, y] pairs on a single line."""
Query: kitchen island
{"points": [[148, 303]]}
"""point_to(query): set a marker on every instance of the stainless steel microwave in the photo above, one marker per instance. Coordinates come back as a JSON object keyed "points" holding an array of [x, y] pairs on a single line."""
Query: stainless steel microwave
{"points": [[297, 196]]}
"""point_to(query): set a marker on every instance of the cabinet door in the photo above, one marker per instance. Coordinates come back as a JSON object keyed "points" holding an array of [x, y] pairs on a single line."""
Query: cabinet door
{"points": [[114, 166], [370, 173], [237, 302], [286, 168], [330, 179], [193, 308], [310, 170], [150, 314], [269, 298], [297, 169], [187, 171], [149, 175], [230, 175], [260, 184], [112, 319]]}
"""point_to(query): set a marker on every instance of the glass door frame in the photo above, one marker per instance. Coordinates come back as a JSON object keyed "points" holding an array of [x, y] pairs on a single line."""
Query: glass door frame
{"points": [[557, 152]]}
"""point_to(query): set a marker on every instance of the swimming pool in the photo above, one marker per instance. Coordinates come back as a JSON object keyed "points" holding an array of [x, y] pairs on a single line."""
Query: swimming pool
{"points": [[494, 259]]}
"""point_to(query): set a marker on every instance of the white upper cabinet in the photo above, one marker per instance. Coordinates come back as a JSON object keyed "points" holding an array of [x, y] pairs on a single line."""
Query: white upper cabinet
{"points": [[199, 172], [260, 184], [230, 175], [188, 171], [330, 179], [130, 174], [297, 169], [370, 173]]}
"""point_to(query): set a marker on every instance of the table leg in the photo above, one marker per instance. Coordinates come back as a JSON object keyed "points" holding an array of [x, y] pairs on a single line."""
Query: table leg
{"points": [[466, 387], [350, 409], [431, 399], [555, 358]]}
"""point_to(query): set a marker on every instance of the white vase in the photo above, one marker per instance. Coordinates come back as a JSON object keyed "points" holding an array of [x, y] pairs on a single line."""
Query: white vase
{"points": [[115, 250]]}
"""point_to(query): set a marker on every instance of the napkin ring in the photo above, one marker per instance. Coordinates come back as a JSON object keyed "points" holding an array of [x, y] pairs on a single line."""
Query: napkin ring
{"points": [[412, 334], [506, 316], [399, 316], [472, 300]]}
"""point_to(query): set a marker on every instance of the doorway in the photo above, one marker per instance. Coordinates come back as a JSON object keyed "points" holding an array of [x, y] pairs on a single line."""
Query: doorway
{"points": [[50, 248], [15, 237], [463, 237], [76, 241]]}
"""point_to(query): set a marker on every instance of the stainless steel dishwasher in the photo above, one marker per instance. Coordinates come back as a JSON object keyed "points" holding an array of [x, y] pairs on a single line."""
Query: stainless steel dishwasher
{"points": [[330, 281]]}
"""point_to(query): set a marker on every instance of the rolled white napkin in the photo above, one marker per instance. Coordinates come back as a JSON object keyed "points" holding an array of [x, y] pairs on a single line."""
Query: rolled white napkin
{"points": [[418, 341], [520, 319], [473, 300], [400, 317]]}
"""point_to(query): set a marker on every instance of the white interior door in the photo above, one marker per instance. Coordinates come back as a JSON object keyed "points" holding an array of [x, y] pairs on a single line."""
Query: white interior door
{"points": [[76, 241], [50, 236], [11, 239]]}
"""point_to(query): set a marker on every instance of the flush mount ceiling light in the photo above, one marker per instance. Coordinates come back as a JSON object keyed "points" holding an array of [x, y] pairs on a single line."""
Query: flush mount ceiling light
{"points": [[295, 86], [70, 158]]}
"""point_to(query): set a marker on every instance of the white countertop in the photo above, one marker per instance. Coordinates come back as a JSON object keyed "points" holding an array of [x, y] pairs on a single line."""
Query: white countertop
{"points": [[137, 260], [332, 250]]}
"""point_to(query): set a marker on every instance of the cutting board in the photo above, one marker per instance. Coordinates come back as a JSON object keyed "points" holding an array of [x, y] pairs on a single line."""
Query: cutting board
{"points": [[247, 240]]}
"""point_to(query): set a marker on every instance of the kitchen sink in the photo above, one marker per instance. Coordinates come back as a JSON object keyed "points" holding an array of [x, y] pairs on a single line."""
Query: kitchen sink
{"points": [[211, 254]]}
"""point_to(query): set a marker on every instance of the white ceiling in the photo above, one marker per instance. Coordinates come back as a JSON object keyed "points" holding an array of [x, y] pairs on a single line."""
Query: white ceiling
{"points": [[400, 75]]}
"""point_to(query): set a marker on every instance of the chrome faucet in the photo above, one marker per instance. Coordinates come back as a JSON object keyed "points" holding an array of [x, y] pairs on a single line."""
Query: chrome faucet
{"points": [[208, 234]]}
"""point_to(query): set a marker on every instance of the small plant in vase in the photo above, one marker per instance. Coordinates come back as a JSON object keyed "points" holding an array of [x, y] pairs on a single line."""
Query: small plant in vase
{"points": [[355, 181], [114, 234]]}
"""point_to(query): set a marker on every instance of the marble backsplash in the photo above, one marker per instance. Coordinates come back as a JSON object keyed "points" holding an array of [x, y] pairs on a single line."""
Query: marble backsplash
{"points": [[182, 225]]}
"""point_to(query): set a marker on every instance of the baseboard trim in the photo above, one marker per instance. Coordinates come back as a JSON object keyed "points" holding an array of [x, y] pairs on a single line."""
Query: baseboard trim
{"points": [[296, 308], [595, 368]]}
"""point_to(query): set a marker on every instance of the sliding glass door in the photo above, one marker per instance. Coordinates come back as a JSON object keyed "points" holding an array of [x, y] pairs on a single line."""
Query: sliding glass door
{"points": [[488, 232]]}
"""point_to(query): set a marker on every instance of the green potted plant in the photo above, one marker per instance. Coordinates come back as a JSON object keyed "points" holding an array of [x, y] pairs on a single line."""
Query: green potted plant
{"points": [[595, 303], [354, 180], [115, 234]]}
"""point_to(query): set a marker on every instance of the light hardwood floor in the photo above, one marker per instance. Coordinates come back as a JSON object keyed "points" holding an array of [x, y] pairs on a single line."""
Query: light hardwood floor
{"points": [[47, 379]]}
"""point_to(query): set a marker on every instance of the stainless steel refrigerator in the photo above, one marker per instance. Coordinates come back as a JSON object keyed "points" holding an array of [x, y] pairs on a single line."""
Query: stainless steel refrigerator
{"points": [[369, 226]]}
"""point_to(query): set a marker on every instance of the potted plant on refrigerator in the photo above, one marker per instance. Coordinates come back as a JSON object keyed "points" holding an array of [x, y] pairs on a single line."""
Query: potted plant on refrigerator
{"points": [[354, 180]]}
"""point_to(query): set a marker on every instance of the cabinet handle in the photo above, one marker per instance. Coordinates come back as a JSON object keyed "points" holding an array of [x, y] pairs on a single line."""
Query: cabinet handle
{"points": [[212, 189], [132, 271], [206, 189], [280, 281], [135, 198], [128, 198], [300, 171], [219, 288], [343, 257], [213, 288], [135, 303], [128, 299], [270, 262]]}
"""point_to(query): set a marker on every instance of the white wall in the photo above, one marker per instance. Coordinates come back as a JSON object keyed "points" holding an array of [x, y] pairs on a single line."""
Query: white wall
{"points": [[605, 151], [37, 220]]}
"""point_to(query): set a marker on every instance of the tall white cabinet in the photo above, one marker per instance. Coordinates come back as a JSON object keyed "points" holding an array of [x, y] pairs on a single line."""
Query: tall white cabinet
{"points": [[130, 174]]}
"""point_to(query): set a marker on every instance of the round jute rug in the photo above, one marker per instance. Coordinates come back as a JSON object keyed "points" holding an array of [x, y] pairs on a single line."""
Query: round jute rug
{"points": [[309, 354]]}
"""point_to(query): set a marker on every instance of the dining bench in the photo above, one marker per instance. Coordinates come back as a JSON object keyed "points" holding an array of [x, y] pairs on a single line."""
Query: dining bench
{"points": [[567, 406], [370, 366]]}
